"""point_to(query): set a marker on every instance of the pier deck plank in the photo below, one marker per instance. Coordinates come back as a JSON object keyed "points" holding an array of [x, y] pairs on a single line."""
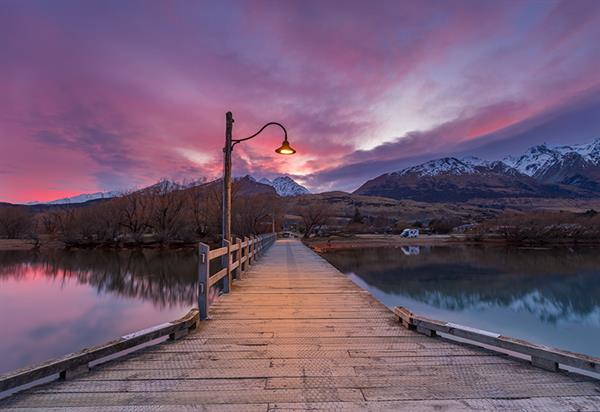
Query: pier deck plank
{"points": [[296, 334]]}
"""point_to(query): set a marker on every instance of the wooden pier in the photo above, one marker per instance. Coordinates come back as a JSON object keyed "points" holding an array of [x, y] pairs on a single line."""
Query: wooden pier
{"points": [[296, 334]]}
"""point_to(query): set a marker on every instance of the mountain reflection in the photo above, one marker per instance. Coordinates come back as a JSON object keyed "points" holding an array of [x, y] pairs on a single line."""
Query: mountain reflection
{"points": [[553, 284], [166, 278]]}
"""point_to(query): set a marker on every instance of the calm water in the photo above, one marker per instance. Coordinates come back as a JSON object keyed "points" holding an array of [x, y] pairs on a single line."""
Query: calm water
{"points": [[58, 302], [548, 296]]}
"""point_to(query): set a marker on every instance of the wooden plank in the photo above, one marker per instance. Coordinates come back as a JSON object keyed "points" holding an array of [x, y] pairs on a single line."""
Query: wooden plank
{"points": [[291, 370], [546, 404], [190, 360], [184, 398], [206, 407], [424, 382], [214, 279], [165, 385], [215, 253], [442, 390]]}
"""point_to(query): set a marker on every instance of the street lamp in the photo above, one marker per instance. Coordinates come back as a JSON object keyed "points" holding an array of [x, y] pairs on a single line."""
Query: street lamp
{"points": [[284, 149]]}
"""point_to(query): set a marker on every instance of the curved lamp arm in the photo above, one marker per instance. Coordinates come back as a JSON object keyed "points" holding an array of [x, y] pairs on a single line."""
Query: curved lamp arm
{"points": [[236, 141]]}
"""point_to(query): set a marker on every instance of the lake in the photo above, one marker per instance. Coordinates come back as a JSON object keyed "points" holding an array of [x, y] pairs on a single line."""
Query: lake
{"points": [[56, 302], [547, 296]]}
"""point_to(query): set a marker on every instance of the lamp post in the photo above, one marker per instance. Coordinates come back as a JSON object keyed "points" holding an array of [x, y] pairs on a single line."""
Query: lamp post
{"points": [[284, 149]]}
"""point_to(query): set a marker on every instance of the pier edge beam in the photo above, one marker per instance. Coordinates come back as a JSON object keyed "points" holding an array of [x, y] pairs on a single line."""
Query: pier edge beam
{"points": [[74, 372], [543, 363]]}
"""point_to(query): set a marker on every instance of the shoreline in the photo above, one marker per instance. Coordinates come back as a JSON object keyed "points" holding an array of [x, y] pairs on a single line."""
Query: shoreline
{"points": [[321, 245], [7, 245], [17, 244]]}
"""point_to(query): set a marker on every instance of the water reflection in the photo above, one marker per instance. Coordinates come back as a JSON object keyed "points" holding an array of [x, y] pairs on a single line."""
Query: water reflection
{"points": [[410, 250], [56, 302], [166, 278], [546, 295]]}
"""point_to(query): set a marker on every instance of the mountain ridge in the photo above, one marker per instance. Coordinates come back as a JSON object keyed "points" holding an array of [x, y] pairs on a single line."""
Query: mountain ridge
{"points": [[283, 186], [542, 171]]}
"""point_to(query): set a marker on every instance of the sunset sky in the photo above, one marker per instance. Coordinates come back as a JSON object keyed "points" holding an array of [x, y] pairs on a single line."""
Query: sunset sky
{"points": [[112, 95]]}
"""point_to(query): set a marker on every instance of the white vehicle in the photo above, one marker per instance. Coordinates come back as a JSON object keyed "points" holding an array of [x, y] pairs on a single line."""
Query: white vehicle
{"points": [[412, 233]]}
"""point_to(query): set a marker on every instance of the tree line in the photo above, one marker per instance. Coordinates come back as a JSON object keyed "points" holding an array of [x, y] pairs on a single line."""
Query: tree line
{"points": [[155, 215]]}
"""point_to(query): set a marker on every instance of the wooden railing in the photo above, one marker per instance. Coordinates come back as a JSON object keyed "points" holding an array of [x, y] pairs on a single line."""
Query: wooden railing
{"points": [[541, 356], [235, 259]]}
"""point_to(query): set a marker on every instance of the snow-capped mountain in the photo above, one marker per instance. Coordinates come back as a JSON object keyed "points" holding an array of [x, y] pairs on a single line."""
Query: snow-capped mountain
{"points": [[285, 186], [86, 197], [457, 167], [542, 171], [539, 158], [572, 164], [446, 165]]}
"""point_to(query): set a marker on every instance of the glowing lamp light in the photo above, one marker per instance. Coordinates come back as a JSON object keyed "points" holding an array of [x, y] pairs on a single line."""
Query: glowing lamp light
{"points": [[285, 148]]}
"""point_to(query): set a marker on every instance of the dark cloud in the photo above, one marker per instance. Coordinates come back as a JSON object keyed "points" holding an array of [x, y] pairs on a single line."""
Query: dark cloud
{"points": [[576, 120]]}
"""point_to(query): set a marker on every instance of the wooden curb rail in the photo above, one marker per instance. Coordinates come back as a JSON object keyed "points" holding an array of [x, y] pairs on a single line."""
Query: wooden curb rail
{"points": [[541, 356], [77, 363]]}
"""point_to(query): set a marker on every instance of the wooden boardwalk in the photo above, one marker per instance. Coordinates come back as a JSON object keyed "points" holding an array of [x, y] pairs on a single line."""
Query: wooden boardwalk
{"points": [[296, 334]]}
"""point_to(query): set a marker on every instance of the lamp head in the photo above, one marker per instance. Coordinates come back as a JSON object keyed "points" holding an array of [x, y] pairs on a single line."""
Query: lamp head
{"points": [[285, 149]]}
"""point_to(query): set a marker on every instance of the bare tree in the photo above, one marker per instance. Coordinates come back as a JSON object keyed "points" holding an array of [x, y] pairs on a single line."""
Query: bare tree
{"points": [[314, 216], [134, 209], [65, 223], [166, 211], [254, 214], [15, 222], [198, 211], [204, 208]]}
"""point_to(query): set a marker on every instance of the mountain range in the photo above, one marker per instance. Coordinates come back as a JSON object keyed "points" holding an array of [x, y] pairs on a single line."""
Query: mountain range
{"points": [[543, 171], [283, 185], [82, 198], [569, 171]]}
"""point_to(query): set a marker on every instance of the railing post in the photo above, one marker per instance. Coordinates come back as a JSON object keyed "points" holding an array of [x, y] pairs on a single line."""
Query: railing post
{"points": [[249, 261], [252, 246], [238, 258], [246, 249], [203, 273], [226, 260]]}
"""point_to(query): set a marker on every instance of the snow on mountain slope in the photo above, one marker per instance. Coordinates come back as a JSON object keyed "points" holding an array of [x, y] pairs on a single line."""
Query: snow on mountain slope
{"points": [[285, 186], [539, 159], [534, 161], [543, 171], [548, 163], [86, 197], [475, 161], [446, 165], [453, 166]]}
